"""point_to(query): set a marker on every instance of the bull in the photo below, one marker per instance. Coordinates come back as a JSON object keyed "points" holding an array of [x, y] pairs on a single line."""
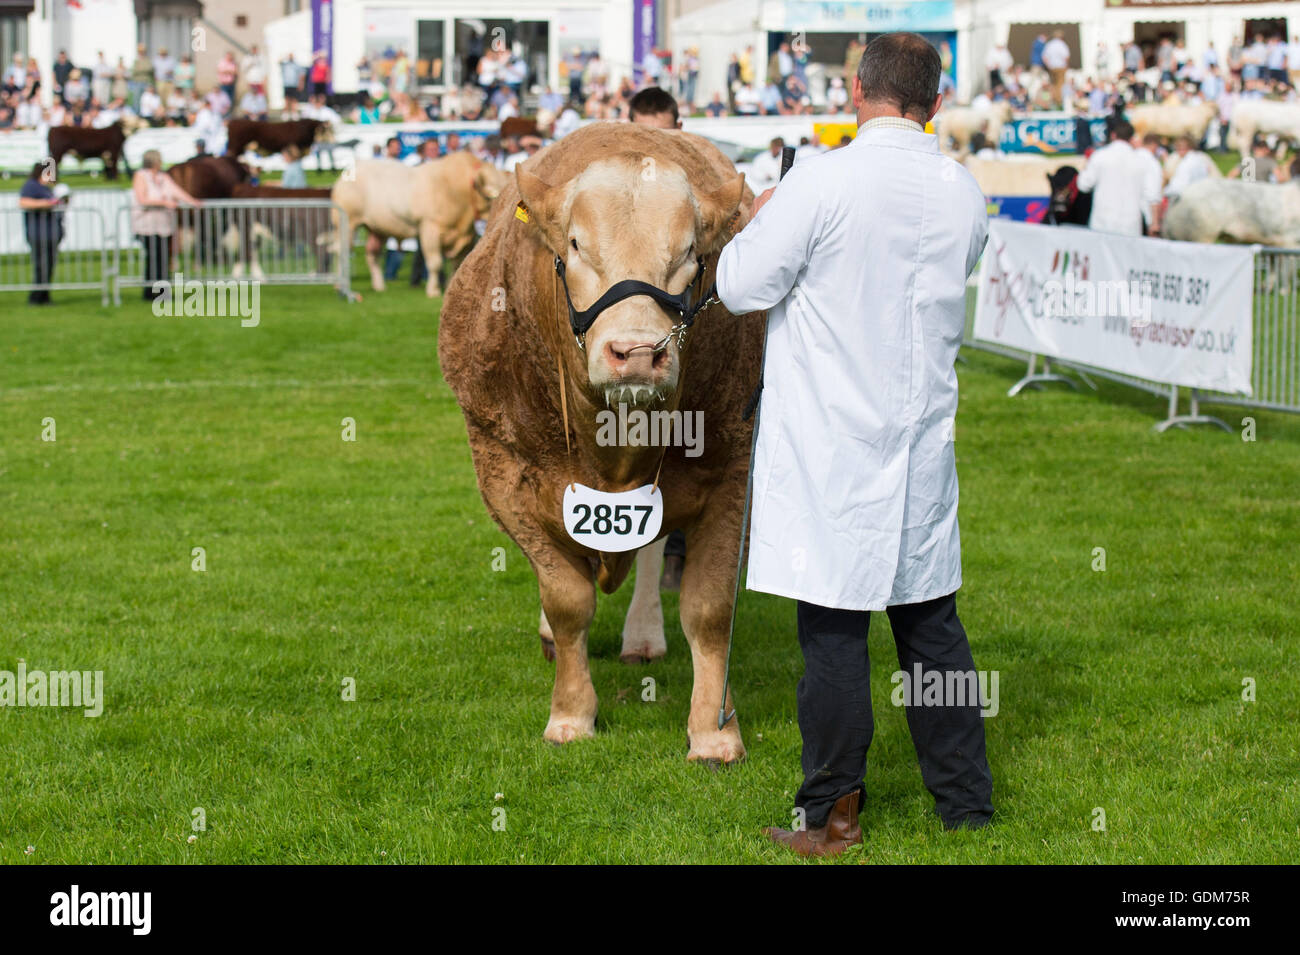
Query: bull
{"points": [[437, 202], [533, 371]]}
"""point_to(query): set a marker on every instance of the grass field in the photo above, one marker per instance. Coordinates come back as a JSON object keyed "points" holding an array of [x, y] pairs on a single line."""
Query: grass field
{"points": [[372, 560]]}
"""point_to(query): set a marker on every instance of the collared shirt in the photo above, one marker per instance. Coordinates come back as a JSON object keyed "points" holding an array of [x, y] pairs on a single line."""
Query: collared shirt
{"points": [[891, 122]]}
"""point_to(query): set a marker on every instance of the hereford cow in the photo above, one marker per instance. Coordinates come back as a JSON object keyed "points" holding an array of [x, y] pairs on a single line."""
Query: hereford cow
{"points": [[207, 177], [267, 138], [105, 144], [607, 203], [1247, 212], [437, 202], [297, 228], [210, 177]]}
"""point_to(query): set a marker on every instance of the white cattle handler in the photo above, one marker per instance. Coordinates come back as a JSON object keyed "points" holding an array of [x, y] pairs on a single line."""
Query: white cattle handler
{"points": [[862, 256]]}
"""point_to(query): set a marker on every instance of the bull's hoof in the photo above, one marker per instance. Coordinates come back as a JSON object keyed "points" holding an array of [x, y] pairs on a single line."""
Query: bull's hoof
{"points": [[567, 729], [638, 656], [548, 649], [716, 749]]}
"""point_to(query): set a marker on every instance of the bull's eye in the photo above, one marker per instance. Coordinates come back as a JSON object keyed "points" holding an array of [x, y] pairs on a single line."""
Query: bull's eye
{"points": [[574, 242]]}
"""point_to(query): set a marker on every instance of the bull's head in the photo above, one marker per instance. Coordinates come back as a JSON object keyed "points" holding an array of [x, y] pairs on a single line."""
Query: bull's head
{"points": [[489, 181], [628, 217], [324, 132]]}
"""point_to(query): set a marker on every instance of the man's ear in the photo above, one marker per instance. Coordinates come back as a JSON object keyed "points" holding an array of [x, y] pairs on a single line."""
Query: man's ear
{"points": [[934, 107], [542, 203], [717, 209]]}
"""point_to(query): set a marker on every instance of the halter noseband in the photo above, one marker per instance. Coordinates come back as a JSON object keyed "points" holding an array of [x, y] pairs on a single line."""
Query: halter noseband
{"points": [[683, 305]]}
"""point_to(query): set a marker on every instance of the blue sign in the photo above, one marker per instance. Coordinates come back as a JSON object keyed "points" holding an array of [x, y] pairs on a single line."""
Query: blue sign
{"points": [[411, 139], [837, 16], [1047, 136]]}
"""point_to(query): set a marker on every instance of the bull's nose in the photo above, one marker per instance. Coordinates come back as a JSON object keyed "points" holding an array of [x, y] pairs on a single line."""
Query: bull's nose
{"points": [[637, 360]]}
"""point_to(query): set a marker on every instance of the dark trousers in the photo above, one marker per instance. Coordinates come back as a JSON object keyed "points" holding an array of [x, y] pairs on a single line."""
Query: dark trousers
{"points": [[45, 250], [834, 701], [419, 271], [157, 250]]}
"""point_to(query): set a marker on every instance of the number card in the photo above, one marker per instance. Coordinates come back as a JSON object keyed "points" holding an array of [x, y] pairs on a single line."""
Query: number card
{"points": [[613, 522]]}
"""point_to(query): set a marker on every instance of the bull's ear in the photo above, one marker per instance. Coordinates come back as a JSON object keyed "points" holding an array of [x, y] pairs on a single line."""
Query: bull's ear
{"points": [[542, 204], [717, 209]]}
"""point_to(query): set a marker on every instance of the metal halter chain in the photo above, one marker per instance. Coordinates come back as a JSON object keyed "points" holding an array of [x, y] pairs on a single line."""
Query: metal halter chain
{"points": [[682, 304]]}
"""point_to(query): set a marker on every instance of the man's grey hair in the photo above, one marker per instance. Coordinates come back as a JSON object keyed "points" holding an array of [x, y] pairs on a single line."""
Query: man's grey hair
{"points": [[901, 69]]}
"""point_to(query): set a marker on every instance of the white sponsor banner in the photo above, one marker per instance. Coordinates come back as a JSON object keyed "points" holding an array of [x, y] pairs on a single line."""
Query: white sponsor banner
{"points": [[1178, 313]]}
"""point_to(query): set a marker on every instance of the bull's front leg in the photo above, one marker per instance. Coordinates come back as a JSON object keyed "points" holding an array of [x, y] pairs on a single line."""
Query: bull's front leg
{"points": [[373, 244], [431, 244], [708, 583], [568, 607]]}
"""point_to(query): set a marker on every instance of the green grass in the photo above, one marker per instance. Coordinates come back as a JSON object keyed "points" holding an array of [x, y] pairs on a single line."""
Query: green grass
{"points": [[373, 560]]}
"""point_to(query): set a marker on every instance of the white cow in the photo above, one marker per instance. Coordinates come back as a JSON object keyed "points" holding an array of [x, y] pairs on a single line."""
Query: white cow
{"points": [[959, 123], [1247, 212], [1261, 117], [1018, 175], [1172, 119]]}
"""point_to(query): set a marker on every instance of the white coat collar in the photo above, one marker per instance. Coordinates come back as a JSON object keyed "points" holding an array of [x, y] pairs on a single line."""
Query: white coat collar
{"points": [[898, 138]]}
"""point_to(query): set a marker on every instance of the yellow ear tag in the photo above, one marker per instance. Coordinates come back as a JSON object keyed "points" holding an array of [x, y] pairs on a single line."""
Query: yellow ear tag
{"points": [[521, 212]]}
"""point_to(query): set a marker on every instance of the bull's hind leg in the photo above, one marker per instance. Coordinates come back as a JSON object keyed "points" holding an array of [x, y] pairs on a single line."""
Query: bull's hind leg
{"points": [[643, 629], [373, 244], [431, 244], [708, 581], [568, 606]]}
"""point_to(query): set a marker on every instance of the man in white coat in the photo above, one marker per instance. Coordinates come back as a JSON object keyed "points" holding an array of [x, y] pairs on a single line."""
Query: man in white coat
{"points": [[862, 256], [1125, 183]]}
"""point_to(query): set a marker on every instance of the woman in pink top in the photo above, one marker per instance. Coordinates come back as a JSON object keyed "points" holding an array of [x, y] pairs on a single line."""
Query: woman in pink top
{"points": [[154, 198], [228, 74]]}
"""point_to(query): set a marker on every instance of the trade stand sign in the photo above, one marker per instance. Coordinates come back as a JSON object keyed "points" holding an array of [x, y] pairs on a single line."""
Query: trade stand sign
{"points": [[412, 138], [834, 16], [1047, 135]]}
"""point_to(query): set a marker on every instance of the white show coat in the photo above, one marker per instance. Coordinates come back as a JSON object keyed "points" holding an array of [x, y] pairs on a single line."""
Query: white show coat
{"points": [[862, 256], [1124, 182]]}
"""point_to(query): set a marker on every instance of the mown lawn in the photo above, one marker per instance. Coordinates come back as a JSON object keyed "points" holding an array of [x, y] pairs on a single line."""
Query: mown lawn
{"points": [[372, 560]]}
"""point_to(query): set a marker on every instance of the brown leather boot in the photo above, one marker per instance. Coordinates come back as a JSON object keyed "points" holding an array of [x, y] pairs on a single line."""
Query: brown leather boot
{"points": [[840, 832]]}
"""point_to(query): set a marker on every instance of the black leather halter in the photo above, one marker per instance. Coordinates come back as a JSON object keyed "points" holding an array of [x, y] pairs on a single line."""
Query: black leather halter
{"points": [[684, 305]]}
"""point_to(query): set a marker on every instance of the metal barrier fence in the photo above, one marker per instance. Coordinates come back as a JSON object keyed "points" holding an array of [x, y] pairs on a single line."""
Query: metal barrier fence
{"points": [[275, 242], [78, 233], [1275, 366], [40, 265]]}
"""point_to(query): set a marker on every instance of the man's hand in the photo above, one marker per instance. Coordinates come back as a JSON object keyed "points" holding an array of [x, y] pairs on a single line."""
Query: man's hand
{"points": [[761, 201]]}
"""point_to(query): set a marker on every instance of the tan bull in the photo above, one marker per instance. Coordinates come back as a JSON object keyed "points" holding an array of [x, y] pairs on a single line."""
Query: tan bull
{"points": [[437, 202], [613, 201]]}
